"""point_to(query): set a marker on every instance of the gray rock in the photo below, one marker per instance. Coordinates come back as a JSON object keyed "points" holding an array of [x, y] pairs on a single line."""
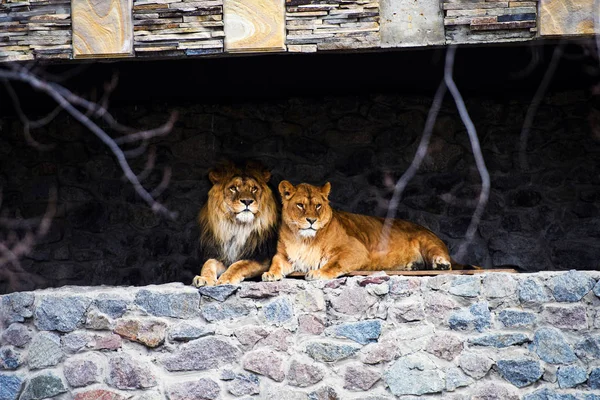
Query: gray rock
{"points": [[83, 370], [244, 384], [379, 352], [362, 332], [589, 348], [10, 358], [520, 372], [278, 311], [329, 352], [404, 287], [310, 300], [475, 365], [303, 375], [219, 293], [551, 346], [571, 286], [465, 286], [566, 317], [227, 375], [17, 335], [97, 320], [113, 307], [455, 378], [201, 389], [201, 354], [597, 289], [45, 350], [407, 311], [548, 394], [438, 306], [126, 373], [266, 363], [75, 341], [414, 375], [248, 335], [177, 305], [324, 393], [42, 386], [261, 290], [15, 307], [516, 319], [221, 311], [532, 290], [594, 379], [500, 340], [62, 314], [185, 331], [10, 387], [476, 317], [446, 346], [499, 285], [357, 377], [353, 301], [570, 376], [493, 391]]}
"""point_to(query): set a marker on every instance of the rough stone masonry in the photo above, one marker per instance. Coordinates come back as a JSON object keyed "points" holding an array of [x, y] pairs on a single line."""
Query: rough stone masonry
{"points": [[489, 336]]}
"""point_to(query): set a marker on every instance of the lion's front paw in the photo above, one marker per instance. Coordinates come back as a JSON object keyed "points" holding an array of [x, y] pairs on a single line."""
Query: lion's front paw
{"points": [[441, 263], [271, 277], [229, 280], [200, 281]]}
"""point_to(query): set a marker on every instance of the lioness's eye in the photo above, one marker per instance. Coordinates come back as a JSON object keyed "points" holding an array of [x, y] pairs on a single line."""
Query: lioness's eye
{"points": [[318, 206], [233, 189], [300, 205], [254, 189]]}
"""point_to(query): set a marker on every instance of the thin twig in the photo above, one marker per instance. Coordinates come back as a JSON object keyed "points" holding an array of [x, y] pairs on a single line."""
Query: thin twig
{"points": [[535, 103], [475, 147], [414, 165]]}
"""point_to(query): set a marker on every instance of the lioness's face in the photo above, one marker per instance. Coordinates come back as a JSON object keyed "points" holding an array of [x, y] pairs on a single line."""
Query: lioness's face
{"points": [[241, 197], [306, 207]]}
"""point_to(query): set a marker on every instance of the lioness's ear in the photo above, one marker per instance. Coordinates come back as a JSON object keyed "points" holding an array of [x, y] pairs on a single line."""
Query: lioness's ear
{"points": [[286, 190], [325, 189]]}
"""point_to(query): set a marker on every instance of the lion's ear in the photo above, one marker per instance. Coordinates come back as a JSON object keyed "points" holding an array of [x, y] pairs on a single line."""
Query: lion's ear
{"points": [[325, 189], [286, 189], [258, 170], [215, 176]]}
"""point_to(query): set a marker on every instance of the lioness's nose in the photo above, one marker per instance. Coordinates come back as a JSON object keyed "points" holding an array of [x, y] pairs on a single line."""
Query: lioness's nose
{"points": [[247, 202], [311, 220]]}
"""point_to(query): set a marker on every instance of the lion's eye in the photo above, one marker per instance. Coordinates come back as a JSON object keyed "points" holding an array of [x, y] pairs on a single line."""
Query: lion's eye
{"points": [[254, 189], [318, 206], [233, 189], [300, 206]]}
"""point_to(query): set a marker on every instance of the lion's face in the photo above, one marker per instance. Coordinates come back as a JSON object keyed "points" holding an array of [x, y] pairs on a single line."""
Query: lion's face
{"points": [[241, 195], [306, 208]]}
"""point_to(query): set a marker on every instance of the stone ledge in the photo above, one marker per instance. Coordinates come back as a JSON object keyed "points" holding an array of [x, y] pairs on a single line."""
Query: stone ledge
{"points": [[524, 336]]}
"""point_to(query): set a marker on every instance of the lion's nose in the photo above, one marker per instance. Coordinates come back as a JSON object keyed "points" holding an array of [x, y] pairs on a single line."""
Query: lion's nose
{"points": [[311, 220], [247, 202]]}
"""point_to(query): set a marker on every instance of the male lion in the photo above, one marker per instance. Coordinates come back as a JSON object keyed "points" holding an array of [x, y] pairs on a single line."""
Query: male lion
{"points": [[327, 243], [238, 225]]}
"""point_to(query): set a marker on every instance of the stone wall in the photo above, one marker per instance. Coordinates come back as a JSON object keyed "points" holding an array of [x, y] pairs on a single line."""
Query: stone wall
{"points": [[489, 336], [546, 217]]}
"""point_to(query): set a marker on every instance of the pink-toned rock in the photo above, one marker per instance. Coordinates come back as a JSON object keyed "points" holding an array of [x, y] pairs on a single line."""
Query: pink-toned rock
{"points": [[335, 283], [261, 290], [374, 280], [445, 346], [148, 332], [310, 324], [358, 377], [265, 363], [108, 342], [250, 334], [353, 301], [379, 352], [303, 375], [98, 394], [278, 339]]}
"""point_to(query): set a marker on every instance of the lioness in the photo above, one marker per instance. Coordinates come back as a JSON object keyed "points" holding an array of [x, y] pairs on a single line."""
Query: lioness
{"points": [[238, 225], [326, 243]]}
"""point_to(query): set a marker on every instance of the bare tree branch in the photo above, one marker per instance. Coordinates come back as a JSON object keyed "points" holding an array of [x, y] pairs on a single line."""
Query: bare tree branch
{"points": [[535, 103], [475, 147]]}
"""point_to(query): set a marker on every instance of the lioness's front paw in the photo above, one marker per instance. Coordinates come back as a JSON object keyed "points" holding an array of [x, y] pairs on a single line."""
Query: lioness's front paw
{"points": [[200, 281], [271, 277], [441, 263], [229, 280]]}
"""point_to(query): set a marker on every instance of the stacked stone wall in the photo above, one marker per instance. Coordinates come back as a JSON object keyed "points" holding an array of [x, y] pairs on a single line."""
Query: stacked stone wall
{"points": [[495, 335]]}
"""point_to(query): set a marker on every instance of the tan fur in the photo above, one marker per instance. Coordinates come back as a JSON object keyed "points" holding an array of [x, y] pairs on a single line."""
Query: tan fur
{"points": [[237, 222], [342, 242]]}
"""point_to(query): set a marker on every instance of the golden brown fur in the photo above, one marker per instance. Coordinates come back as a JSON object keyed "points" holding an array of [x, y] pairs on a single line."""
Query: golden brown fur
{"points": [[326, 243], [238, 225]]}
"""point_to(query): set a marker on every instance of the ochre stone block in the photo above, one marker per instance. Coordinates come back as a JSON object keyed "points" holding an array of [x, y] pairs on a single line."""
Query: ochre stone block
{"points": [[568, 17], [254, 25], [102, 28]]}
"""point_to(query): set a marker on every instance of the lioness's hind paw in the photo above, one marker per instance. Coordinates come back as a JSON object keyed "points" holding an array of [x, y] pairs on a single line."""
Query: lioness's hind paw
{"points": [[441, 263], [200, 281], [271, 277]]}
